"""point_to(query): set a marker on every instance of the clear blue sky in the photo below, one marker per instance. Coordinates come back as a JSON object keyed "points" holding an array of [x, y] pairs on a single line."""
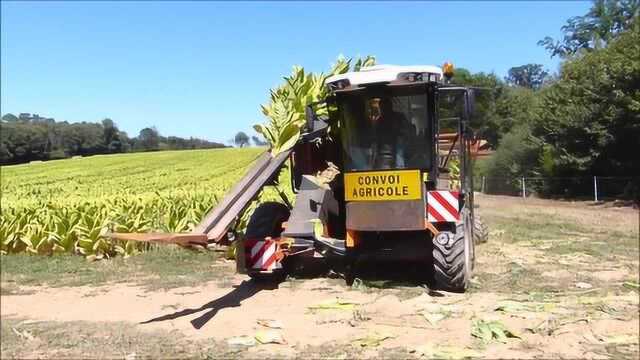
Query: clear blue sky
{"points": [[203, 68]]}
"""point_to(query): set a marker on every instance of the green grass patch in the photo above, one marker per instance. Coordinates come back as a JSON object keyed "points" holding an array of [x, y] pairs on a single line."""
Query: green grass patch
{"points": [[517, 279], [532, 227], [558, 235], [162, 268]]}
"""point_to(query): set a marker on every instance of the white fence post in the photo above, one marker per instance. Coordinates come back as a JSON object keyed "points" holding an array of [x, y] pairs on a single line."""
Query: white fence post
{"points": [[483, 182], [595, 189], [524, 189]]}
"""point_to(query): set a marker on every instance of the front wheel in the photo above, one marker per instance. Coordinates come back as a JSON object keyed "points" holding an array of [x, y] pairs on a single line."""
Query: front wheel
{"points": [[453, 256]]}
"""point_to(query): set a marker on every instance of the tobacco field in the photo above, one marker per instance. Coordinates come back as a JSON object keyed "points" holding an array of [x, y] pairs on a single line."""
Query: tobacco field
{"points": [[69, 205]]}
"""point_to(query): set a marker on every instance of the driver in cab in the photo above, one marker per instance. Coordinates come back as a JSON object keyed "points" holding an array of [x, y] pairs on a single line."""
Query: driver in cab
{"points": [[390, 134]]}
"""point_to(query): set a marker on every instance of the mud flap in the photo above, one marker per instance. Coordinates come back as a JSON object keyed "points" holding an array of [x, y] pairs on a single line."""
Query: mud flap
{"points": [[261, 255]]}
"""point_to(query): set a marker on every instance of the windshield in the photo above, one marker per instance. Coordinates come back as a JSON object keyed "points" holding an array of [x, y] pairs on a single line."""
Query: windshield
{"points": [[385, 128]]}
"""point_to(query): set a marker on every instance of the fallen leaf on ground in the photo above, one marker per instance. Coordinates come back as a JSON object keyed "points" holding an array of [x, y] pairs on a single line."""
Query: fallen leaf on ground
{"points": [[241, 341], [23, 334], [372, 340], [491, 330], [273, 324], [609, 310], [583, 285], [338, 304], [434, 318], [551, 325], [511, 306], [445, 352], [631, 285], [270, 337]]}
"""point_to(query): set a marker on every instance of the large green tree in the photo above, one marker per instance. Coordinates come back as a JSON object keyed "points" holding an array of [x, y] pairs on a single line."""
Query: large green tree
{"points": [[499, 108], [604, 22], [241, 139], [148, 139], [590, 118], [111, 136], [531, 76]]}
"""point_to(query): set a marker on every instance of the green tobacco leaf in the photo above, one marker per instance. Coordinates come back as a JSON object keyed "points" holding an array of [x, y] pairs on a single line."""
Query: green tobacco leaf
{"points": [[241, 341], [334, 304], [270, 337], [434, 318], [288, 101], [270, 323], [431, 351], [372, 340], [511, 306], [488, 331], [288, 137], [265, 132]]}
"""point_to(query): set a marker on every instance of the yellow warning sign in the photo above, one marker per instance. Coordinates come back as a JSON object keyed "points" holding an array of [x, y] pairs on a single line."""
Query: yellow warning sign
{"points": [[383, 185]]}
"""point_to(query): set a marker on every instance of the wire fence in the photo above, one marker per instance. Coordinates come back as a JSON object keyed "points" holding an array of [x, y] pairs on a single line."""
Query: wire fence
{"points": [[596, 188]]}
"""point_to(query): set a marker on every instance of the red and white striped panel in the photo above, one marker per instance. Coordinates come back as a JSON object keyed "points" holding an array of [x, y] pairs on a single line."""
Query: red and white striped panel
{"points": [[261, 254], [443, 206]]}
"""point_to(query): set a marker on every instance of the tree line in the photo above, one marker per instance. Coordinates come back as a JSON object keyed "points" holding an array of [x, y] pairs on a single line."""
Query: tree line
{"points": [[241, 139], [583, 121], [27, 137]]}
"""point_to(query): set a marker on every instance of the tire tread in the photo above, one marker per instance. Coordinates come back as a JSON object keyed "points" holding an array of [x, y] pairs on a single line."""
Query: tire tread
{"points": [[449, 263]]}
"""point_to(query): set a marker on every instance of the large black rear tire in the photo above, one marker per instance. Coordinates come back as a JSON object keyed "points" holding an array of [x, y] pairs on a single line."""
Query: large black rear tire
{"points": [[266, 221], [453, 259]]}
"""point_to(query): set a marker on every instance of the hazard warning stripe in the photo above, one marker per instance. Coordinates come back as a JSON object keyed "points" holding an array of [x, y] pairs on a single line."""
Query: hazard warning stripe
{"points": [[267, 264], [442, 206], [434, 215], [438, 213], [257, 253], [261, 254], [449, 204]]}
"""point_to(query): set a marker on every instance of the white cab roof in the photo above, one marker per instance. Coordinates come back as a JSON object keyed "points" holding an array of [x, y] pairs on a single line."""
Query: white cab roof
{"points": [[382, 73]]}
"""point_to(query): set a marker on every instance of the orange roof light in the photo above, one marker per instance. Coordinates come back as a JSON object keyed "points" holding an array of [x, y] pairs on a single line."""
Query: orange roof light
{"points": [[447, 69]]}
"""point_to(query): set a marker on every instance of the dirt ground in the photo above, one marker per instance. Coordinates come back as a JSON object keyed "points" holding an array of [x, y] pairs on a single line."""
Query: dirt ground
{"points": [[558, 279]]}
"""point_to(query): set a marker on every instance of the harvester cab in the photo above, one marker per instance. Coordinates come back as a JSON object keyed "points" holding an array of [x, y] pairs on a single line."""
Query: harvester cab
{"points": [[402, 191], [383, 175]]}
